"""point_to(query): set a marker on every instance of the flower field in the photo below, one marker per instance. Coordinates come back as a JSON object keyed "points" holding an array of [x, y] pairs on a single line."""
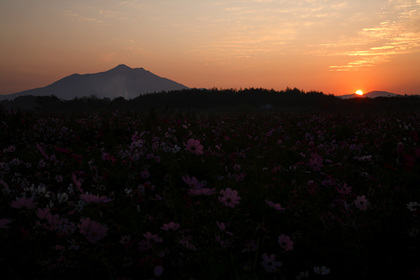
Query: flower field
{"points": [[185, 196]]}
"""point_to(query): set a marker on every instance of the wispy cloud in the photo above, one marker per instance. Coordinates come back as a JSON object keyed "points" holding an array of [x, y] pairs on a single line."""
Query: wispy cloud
{"points": [[84, 12], [400, 34], [275, 28]]}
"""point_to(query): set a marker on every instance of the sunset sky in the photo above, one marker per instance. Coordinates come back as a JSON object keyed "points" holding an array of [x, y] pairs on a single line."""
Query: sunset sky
{"points": [[333, 46]]}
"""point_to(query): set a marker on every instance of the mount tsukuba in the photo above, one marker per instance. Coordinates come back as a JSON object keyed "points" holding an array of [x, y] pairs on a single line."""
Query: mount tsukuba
{"points": [[120, 81]]}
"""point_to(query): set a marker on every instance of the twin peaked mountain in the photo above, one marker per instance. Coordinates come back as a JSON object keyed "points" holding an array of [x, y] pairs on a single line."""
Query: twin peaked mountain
{"points": [[119, 81]]}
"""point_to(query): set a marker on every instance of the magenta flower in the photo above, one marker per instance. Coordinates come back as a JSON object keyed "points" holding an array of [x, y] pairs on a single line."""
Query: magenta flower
{"points": [[276, 206], [270, 264], [222, 227], [285, 242], [76, 182], [361, 202], [145, 174], [93, 231], [229, 197], [53, 221], [170, 225], [4, 223], [93, 198], [343, 189], [41, 150], [187, 244], [23, 202], [194, 146], [152, 237], [316, 162], [197, 187], [192, 182], [201, 191], [43, 213]]}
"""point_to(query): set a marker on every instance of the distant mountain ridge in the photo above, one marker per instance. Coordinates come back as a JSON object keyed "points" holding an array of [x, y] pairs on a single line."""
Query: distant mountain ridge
{"points": [[371, 94], [119, 81]]}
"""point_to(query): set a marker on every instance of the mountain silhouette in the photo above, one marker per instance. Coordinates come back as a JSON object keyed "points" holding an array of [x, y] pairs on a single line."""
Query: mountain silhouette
{"points": [[119, 81], [371, 94]]}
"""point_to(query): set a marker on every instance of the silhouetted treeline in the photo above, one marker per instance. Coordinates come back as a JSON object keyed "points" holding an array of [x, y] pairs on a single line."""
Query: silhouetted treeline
{"points": [[215, 100]]}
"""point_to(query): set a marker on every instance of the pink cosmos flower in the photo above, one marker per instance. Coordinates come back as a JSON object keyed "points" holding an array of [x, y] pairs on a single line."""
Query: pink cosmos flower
{"points": [[62, 150], [194, 146], [285, 242], [41, 150], [316, 162], [222, 227], [52, 221], [270, 264], [4, 223], [343, 189], [201, 191], [43, 213], [197, 187], [144, 245], [77, 183], [107, 157], [93, 198], [23, 202], [361, 202], [229, 197], [276, 206], [152, 237], [93, 231], [170, 225], [187, 244], [125, 239], [145, 174], [312, 187], [192, 182]]}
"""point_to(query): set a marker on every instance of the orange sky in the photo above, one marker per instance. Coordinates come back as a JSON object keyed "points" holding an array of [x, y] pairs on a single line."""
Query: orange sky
{"points": [[333, 46]]}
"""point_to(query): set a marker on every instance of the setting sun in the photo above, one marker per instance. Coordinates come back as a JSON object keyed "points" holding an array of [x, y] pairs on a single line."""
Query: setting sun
{"points": [[359, 92]]}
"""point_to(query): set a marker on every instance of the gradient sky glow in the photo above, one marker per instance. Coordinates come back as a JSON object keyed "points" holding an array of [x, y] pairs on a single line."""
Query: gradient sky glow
{"points": [[334, 46]]}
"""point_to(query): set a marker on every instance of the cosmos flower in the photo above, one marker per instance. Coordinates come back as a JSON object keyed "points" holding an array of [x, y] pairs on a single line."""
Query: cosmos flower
{"points": [[170, 225], [152, 237], [361, 202], [193, 182], [276, 206], [270, 264], [194, 146], [316, 162], [23, 202], [285, 242], [93, 231], [4, 223], [95, 199], [229, 197]]}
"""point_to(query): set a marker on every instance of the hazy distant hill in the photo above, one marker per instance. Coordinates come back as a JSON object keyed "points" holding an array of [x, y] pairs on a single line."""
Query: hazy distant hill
{"points": [[372, 94], [119, 81]]}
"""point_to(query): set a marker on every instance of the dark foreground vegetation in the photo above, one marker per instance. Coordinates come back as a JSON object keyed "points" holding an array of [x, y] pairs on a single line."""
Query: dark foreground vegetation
{"points": [[202, 100], [173, 195]]}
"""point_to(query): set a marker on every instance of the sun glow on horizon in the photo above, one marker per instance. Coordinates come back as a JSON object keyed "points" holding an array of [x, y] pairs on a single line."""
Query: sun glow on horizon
{"points": [[359, 92]]}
